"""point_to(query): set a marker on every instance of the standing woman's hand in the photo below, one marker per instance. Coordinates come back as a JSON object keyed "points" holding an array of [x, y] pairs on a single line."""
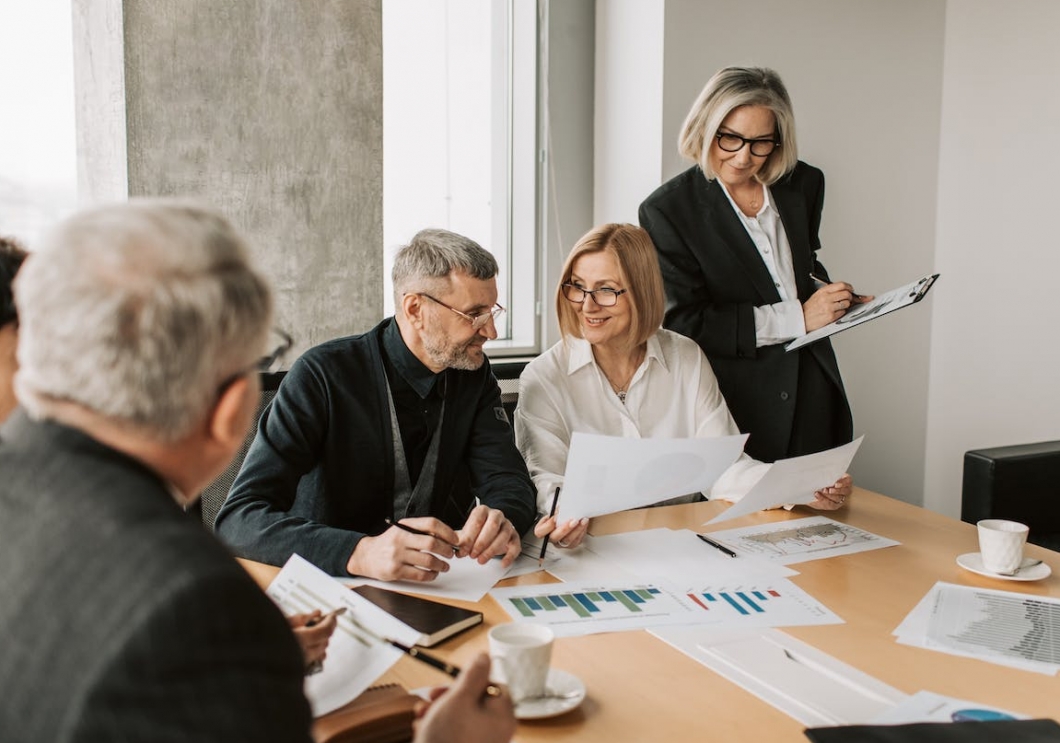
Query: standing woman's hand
{"points": [[829, 303]]}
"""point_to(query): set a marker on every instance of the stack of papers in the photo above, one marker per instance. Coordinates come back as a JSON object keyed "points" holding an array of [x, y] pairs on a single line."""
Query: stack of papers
{"points": [[1010, 629]]}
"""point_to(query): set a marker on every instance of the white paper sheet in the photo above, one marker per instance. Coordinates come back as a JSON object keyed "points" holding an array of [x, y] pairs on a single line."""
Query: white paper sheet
{"points": [[354, 660], [798, 679], [465, 581], [926, 706], [793, 481], [606, 474], [584, 608], [676, 556], [790, 542], [1010, 629]]}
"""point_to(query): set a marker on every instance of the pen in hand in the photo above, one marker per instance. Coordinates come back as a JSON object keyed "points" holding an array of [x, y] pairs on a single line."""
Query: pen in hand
{"points": [[423, 657], [420, 532], [822, 283], [551, 513], [717, 545]]}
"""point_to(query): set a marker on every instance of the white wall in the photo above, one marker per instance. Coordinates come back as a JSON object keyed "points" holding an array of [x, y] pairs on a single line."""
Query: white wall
{"points": [[865, 77], [628, 96], [995, 359]]}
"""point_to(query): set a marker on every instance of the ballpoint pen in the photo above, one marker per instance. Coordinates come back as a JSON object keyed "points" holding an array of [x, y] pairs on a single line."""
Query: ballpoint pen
{"points": [[821, 282], [551, 513], [447, 668], [717, 545], [420, 532]]}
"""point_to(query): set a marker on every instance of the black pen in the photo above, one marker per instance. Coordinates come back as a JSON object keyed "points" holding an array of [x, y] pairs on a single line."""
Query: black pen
{"points": [[551, 513], [717, 545], [420, 532], [423, 657], [822, 282]]}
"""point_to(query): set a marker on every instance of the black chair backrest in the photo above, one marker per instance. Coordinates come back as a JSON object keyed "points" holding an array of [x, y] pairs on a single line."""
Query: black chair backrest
{"points": [[214, 495], [507, 374], [1019, 483]]}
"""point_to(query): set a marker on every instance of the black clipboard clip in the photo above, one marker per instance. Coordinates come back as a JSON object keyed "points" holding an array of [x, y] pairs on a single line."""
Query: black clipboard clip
{"points": [[922, 287]]}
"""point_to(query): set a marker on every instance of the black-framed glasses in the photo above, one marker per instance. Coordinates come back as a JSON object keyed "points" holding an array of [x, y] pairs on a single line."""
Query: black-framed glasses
{"points": [[604, 297], [734, 143], [478, 321], [266, 362]]}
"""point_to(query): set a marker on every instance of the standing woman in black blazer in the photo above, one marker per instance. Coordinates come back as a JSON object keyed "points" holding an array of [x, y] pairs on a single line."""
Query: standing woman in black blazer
{"points": [[737, 236]]}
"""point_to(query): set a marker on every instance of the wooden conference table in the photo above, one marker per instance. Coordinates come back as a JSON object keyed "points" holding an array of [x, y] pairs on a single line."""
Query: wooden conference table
{"points": [[641, 689]]}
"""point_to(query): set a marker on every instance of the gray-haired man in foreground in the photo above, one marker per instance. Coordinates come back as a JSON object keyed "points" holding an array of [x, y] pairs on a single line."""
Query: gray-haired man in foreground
{"points": [[122, 618]]}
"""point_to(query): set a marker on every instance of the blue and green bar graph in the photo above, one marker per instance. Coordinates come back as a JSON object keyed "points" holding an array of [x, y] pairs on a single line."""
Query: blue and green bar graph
{"points": [[744, 602], [587, 604]]}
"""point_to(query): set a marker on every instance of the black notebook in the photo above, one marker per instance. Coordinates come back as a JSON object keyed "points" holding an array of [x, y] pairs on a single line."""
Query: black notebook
{"points": [[433, 620], [1009, 731]]}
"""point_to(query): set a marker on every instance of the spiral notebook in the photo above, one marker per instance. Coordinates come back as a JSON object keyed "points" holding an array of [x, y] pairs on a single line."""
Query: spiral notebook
{"points": [[434, 620]]}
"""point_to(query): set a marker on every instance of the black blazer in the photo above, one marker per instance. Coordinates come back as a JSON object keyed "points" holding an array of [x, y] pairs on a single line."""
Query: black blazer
{"points": [[122, 618], [715, 277]]}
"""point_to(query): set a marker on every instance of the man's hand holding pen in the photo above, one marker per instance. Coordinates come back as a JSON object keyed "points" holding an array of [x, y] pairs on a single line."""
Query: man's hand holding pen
{"points": [[829, 303], [410, 550]]}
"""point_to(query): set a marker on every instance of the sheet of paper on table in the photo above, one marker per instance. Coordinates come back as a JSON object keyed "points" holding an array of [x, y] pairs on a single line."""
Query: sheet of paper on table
{"points": [[1003, 627], [790, 542], [465, 581], [794, 481], [796, 678], [926, 706], [606, 474]]}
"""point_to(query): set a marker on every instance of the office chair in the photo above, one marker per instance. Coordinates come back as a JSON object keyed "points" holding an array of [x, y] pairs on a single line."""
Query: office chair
{"points": [[1020, 483], [507, 373], [214, 495]]}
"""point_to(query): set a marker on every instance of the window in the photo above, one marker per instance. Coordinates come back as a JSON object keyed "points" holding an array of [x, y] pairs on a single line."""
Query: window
{"points": [[459, 139], [38, 162]]}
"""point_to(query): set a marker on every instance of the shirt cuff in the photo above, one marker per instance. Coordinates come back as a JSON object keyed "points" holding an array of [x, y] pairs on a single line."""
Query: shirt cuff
{"points": [[779, 323]]}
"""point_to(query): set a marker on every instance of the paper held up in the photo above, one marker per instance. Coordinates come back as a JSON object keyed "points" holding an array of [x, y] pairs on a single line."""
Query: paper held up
{"points": [[606, 474], [793, 481]]}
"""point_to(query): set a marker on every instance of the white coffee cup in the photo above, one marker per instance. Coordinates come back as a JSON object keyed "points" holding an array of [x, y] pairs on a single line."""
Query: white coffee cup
{"points": [[520, 655], [1001, 544]]}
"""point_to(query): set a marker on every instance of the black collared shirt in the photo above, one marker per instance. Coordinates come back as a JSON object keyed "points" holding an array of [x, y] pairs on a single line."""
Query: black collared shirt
{"points": [[418, 393]]}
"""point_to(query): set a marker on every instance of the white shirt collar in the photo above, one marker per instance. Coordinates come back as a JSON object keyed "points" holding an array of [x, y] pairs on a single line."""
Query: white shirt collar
{"points": [[581, 353]]}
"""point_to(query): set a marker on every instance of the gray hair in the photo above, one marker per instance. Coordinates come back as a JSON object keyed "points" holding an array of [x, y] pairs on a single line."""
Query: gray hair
{"points": [[731, 88], [139, 312], [432, 255]]}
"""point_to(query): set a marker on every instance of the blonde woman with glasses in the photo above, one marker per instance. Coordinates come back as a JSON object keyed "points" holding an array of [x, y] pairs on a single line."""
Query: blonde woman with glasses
{"points": [[737, 236], [616, 373]]}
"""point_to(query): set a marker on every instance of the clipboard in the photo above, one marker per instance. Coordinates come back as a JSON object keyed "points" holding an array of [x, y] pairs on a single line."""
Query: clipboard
{"points": [[882, 305]]}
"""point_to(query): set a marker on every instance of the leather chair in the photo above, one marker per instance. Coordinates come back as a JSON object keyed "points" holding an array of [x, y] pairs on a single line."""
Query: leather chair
{"points": [[507, 374], [1020, 483], [214, 495]]}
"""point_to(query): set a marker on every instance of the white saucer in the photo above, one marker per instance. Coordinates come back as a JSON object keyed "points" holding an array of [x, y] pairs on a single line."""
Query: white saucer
{"points": [[559, 682], [974, 561]]}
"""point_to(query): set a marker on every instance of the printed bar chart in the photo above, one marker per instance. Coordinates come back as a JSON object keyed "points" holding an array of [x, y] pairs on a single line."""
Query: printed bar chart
{"points": [[743, 602], [586, 604]]}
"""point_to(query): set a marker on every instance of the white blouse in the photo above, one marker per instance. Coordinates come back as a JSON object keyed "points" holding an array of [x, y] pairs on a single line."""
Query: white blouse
{"points": [[673, 394]]}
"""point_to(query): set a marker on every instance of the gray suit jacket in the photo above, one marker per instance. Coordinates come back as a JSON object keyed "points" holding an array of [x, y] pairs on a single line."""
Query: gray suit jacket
{"points": [[122, 619]]}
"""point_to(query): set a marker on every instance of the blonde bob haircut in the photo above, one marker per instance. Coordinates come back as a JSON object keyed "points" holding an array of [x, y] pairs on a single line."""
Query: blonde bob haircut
{"points": [[639, 268], [731, 88]]}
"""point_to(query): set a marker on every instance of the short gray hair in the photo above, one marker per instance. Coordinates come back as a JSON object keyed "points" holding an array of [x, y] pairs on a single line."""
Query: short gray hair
{"points": [[731, 88], [434, 254], [139, 312]]}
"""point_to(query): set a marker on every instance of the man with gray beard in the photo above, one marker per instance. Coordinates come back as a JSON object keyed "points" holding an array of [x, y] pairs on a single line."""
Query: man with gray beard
{"points": [[400, 425]]}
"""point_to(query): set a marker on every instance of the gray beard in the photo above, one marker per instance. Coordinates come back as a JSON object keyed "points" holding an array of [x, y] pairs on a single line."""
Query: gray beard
{"points": [[450, 357]]}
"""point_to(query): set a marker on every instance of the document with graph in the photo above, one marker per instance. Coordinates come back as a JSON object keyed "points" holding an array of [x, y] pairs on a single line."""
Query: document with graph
{"points": [[789, 542], [882, 304], [572, 609]]}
